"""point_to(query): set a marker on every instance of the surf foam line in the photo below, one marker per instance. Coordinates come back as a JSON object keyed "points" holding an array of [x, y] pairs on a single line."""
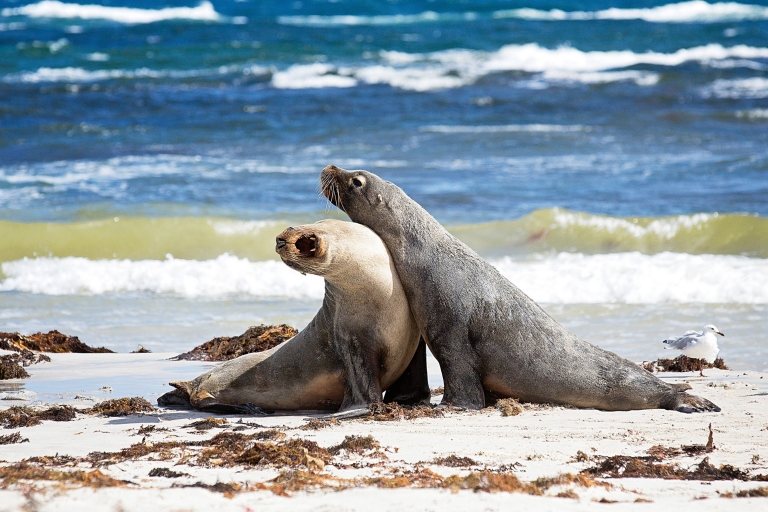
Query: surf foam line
{"points": [[460, 67], [222, 276], [694, 11], [127, 15], [565, 278]]}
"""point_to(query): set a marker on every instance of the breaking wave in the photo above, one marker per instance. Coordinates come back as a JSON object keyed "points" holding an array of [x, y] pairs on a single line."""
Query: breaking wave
{"points": [[563, 278], [128, 15]]}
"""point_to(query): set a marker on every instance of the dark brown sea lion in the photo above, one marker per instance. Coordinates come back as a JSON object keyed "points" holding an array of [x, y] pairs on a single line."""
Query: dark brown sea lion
{"points": [[358, 344], [487, 335]]}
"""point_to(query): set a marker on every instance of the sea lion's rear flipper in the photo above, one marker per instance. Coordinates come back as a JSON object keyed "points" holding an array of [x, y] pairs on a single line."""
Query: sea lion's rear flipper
{"points": [[692, 403], [683, 386], [412, 387]]}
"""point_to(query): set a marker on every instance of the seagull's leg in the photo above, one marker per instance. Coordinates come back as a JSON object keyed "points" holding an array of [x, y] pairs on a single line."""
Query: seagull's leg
{"points": [[701, 369]]}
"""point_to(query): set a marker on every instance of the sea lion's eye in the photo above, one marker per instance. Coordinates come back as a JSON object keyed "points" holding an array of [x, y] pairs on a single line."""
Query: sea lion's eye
{"points": [[358, 181]]}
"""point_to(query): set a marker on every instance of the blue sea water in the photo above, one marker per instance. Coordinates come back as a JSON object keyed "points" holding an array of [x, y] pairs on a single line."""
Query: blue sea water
{"points": [[648, 117]]}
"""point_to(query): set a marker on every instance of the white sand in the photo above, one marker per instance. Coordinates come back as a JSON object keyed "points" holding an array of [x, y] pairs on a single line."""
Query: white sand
{"points": [[542, 441]]}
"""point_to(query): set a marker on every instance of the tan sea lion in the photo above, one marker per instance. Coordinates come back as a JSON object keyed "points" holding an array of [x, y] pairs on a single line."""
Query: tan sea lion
{"points": [[358, 344], [487, 335]]}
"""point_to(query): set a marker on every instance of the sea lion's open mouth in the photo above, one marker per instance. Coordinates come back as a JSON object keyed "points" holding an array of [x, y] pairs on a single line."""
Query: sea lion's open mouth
{"points": [[307, 245]]}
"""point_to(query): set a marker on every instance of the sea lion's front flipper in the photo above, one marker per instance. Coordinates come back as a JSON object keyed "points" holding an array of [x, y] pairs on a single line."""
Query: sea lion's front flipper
{"points": [[347, 414], [175, 398], [412, 387], [234, 409]]}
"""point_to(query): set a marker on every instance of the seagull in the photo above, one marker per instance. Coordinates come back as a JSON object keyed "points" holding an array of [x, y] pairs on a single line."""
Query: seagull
{"points": [[697, 345]]}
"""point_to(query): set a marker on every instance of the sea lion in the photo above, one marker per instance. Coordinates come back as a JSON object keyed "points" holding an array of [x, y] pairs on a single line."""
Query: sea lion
{"points": [[358, 344], [487, 335]]}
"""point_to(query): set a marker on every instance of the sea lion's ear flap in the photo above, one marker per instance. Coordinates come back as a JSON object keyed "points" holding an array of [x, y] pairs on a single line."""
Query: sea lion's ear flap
{"points": [[381, 199]]}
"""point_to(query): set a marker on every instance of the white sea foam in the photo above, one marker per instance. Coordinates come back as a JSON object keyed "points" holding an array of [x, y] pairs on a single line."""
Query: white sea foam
{"points": [[564, 278], [535, 128], [752, 88], [311, 76], [80, 75], [456, 68], [443, 70], [635, 278], [755, 113], [695, 11], [225, 275], [353, 20], [665, 228], [128, 15]]}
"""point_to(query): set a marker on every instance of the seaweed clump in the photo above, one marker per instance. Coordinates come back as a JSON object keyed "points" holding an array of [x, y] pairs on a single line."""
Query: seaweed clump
{"points": [[509, 407], [683, 364], [318, 424], [25, 416], [13, 439], [294, 452], [10, 368], [165, 473], [255, 339], [53, 341], [357, 444], [395, 412], [454, 461], [24, 471], [621, 466], [12, 365], [121, 407]]}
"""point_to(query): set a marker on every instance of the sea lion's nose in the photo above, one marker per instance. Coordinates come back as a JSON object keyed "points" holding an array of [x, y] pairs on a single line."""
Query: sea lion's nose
{"points": [[279, 243]]}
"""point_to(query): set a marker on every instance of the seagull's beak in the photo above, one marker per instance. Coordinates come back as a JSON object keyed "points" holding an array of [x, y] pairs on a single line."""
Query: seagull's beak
{"points": [[721, 334]]}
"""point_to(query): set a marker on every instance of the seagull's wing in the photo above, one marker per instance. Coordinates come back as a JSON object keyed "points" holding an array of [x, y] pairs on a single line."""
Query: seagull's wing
{"points": [[692, 331], [683, 342]]}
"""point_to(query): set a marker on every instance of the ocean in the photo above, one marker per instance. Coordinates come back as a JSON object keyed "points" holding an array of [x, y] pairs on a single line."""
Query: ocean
{"points": [[610, 158]]}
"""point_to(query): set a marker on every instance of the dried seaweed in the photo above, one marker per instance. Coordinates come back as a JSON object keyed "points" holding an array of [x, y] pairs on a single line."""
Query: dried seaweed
{"points": [[121, 407], [23, 471], [208, 423], [357, 444], [14, 438], [10, 369], [318, 424], [509, 407], [25, 416], [662, 452], [395, 412], [683, 364], [454, 461], [150, 429], [53, 341], [165, 473], [622, 466], [291, 453], [255, 339], [760, 492]]}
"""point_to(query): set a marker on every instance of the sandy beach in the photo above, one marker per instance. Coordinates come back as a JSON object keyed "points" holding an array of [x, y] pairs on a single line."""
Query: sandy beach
{"points": [[545, 457]]}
